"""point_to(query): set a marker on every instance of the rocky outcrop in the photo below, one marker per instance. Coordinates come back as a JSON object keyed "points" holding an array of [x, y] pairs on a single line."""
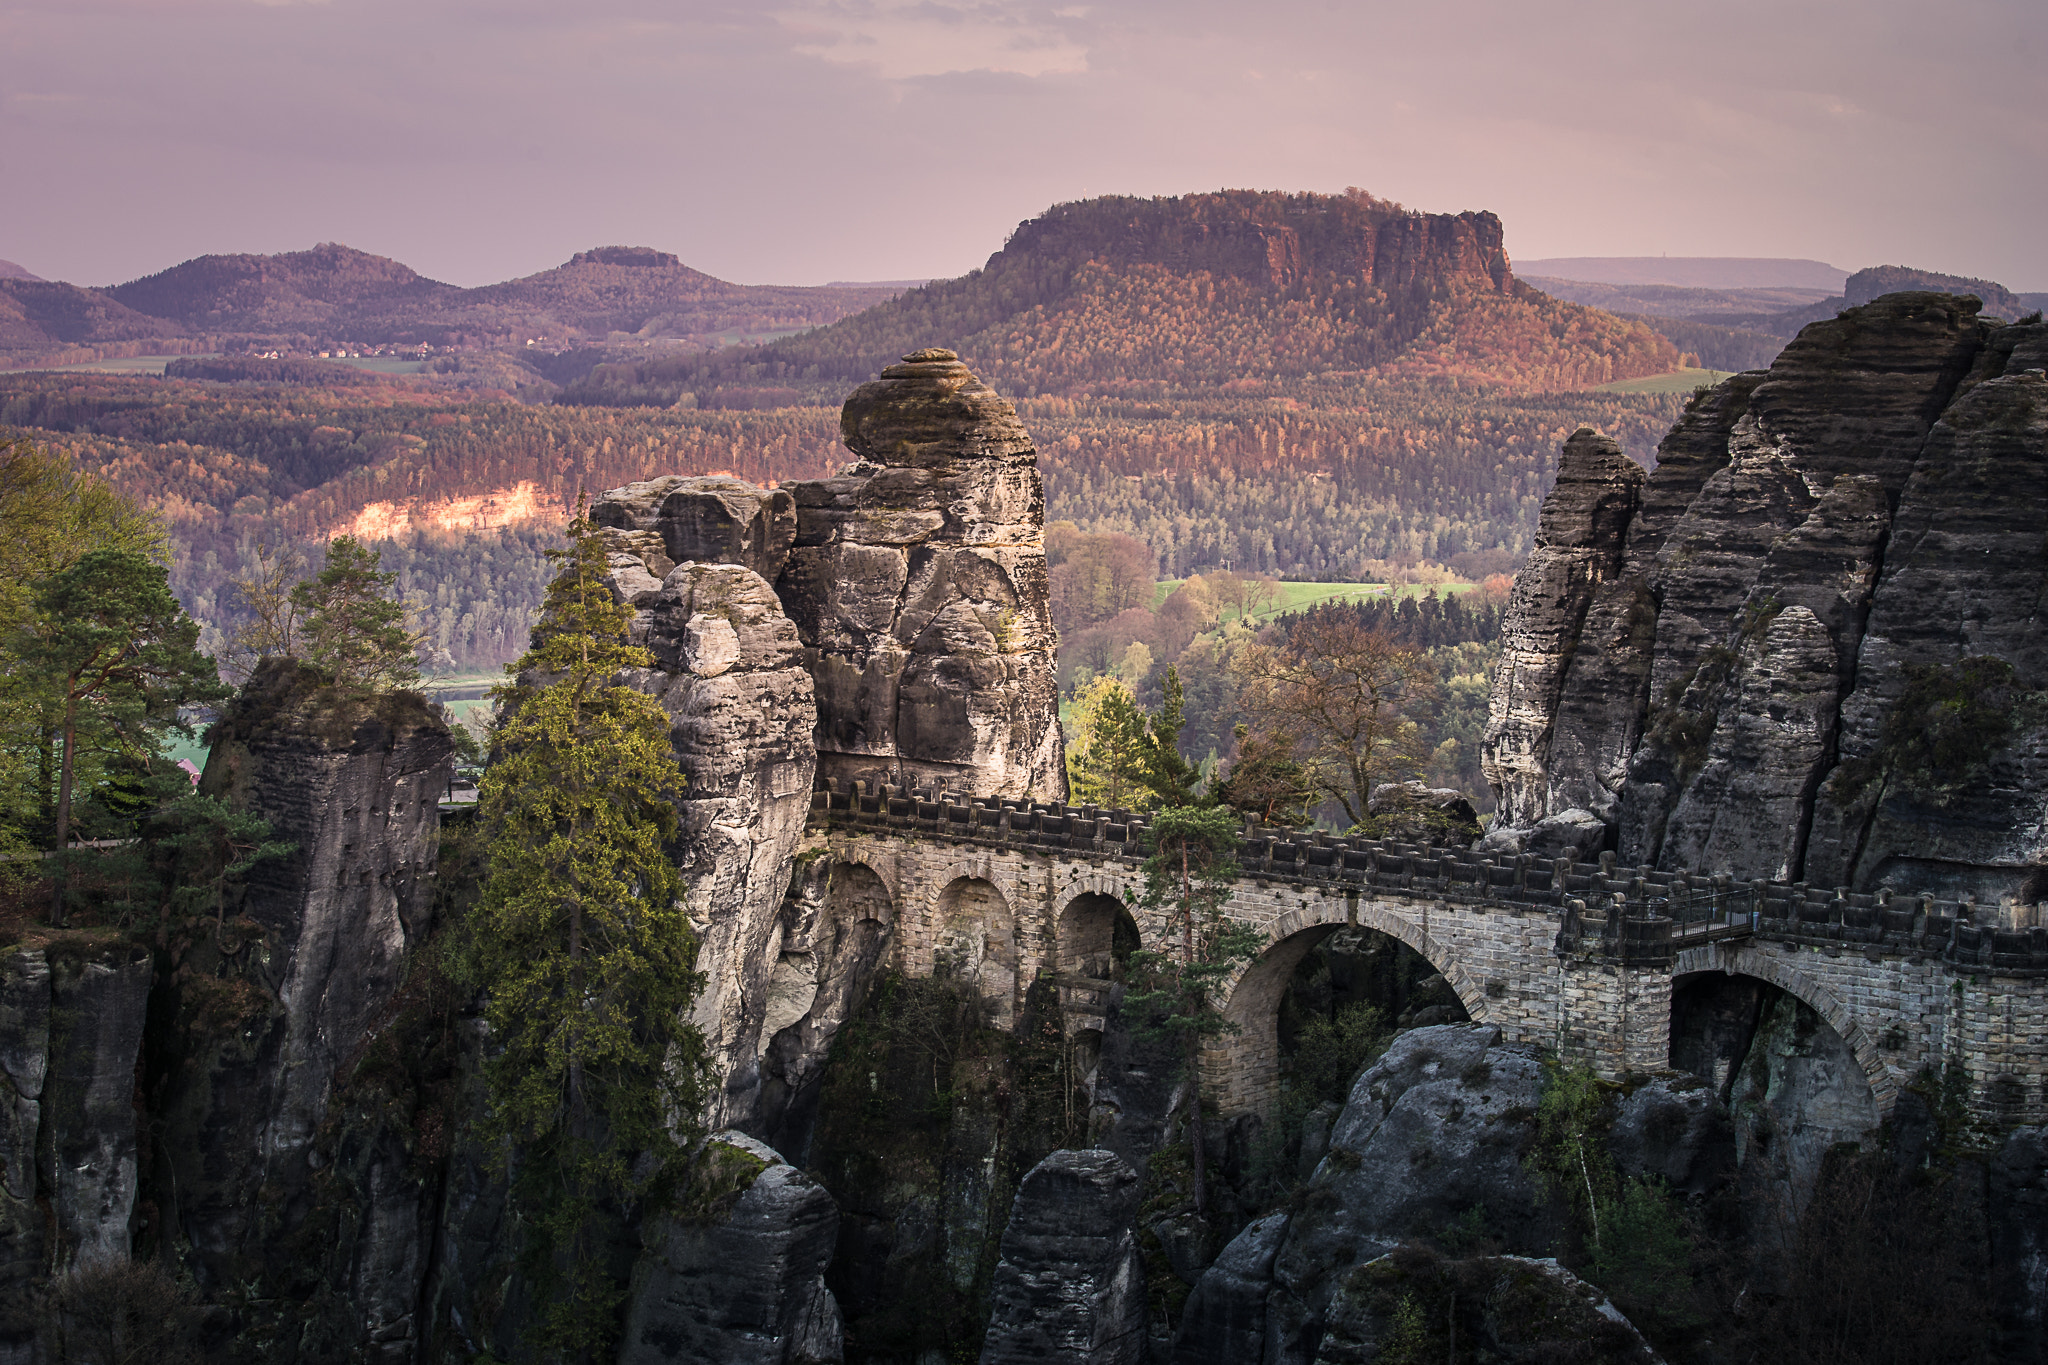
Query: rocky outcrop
{"points": [[1070, 1285], [918, 582], [710, 519], [745, 1283], [266, 1009], [1817, 542], [71, 1022], [1578, 548], [1415, 1305], [1416, 813], [1434, 1130], [729, 670]]}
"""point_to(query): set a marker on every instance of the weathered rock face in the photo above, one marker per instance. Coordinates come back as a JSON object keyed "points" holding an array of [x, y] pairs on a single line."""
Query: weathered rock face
{"points": [[1817, 541], [71, 1022], [730, 672], [746, 1285], [919, 585], [1415, 813], [1434, 1129], [273, 1003], [1578, 548], [1070, 1286], [711, 519]]}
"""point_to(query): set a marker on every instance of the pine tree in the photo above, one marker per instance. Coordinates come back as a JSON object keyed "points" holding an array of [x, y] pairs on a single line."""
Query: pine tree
{"points": [[1190, 877], [582, 944], [1106, 764], [350, 625], [121, 657]]}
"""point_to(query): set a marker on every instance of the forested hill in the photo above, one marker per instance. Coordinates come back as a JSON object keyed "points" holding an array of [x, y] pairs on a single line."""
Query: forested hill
{"points": [[334, 295], [1235, 291]]}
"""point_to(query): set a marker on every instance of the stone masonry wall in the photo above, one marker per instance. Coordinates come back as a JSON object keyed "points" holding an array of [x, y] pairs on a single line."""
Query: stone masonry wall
{"points": [[1577, 956]]}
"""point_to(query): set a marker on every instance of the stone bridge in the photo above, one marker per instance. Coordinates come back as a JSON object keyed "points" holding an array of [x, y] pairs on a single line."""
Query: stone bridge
{"points": [[1581, 957]]}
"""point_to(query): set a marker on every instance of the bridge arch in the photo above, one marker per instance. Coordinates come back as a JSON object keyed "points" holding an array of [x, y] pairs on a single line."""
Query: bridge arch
{"points": [[1746, 959], [1244, 1067], [973, 940]]}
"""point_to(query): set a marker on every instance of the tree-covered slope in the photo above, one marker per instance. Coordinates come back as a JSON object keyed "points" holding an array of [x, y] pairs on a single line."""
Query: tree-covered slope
{"points": [[1147, 297]]}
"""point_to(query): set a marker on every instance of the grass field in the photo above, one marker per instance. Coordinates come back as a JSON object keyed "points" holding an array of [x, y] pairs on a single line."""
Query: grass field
{"points": [[1682, 381], [1295, 596], [135, 364]]}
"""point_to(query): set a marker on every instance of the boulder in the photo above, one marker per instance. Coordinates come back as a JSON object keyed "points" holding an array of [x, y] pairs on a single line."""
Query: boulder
{"points": [[1673, 1128], [742, 1284], [1224, 1320], [1416, 813], [919, 586], [1070, 1285], [1434, 1129], [1414, 1305]]}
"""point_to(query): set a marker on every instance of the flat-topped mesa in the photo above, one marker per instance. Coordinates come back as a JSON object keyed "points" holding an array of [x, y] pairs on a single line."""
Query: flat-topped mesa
{"points": [[918, 583]]}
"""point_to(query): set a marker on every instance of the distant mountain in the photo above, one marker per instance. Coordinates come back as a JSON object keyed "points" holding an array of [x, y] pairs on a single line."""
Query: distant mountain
{"points": [[10, 271], [1233, 291], [1693, 272], [38, 316], [299, 291], [1865, 285], [334, 296], [1743, 328]]}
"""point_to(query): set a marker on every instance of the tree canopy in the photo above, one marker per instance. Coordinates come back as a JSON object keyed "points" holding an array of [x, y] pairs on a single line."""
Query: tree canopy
{"points": [[581, 943]]}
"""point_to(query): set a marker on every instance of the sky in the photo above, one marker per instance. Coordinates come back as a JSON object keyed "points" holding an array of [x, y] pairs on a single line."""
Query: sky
{"points": [[802, 141]]}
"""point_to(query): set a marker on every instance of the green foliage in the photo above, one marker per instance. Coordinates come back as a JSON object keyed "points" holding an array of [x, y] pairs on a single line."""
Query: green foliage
{"points": [[117, 656], [1330, 1052], [582, 944], [1644, 1255], [1189, 879], [349, 625], [1938, 736], [1568, 1158], [50, 517], [1409, 1340], [1266, 779], [1163, 769], [1105, 760]]}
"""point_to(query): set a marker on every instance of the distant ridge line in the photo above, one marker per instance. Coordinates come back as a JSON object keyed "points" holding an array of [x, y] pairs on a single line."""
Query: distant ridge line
{"points": [[1693, 272]]}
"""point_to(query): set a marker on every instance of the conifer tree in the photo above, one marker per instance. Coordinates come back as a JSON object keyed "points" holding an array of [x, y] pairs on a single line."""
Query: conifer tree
{"points": [[583, 946], [1106, 765], [350, 625], [120, 657]]}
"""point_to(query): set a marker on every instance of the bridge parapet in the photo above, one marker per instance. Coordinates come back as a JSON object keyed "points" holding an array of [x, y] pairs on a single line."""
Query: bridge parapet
{"points": [[1636, 914]]}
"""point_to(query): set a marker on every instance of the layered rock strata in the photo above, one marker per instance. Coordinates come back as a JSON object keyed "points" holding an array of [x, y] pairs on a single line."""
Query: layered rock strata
{"points": [[744, 1285], [71, 1021], [1721, 684], [1070, 1285], [729, 670], [271, 1005], [918, 582]]}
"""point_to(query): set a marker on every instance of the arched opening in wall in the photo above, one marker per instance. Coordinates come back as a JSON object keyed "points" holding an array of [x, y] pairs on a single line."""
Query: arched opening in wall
{"points": [[974, 945], [1096, 937], [1316, 1010], [1793, 1087], [838, 920]]}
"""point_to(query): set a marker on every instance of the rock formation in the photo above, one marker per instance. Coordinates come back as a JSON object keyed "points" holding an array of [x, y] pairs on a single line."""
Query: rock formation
{"points": [[71, 1023], [744, 1284], [271, 1005], [1714, 668], [919, 585], [1070, 1286], [730, 672]]}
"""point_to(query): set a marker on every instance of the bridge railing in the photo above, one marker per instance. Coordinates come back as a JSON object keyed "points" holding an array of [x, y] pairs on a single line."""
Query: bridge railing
{"points": [[1679, 907]]}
